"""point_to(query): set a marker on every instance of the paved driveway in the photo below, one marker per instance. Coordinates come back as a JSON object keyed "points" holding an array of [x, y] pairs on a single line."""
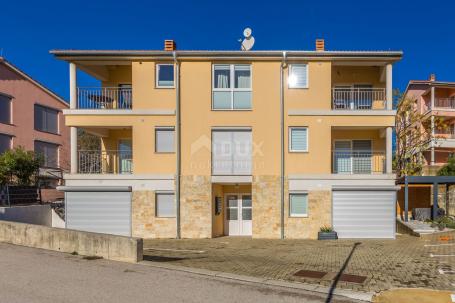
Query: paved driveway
{"points": [[405, 262], [40, 276]]}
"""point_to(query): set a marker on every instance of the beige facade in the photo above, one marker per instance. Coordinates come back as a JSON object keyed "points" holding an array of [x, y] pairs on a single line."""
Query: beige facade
{"points": [[330, 108]]}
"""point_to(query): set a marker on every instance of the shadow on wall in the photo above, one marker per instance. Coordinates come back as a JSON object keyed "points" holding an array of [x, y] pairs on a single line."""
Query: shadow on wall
{"points": [[419, 197]]}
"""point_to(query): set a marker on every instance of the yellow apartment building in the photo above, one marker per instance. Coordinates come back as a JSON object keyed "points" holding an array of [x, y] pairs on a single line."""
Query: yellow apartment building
{"points": [[201, 144]]}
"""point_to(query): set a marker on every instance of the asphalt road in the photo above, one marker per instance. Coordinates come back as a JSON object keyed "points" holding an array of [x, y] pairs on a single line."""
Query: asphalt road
{"points": [[34, 275]]}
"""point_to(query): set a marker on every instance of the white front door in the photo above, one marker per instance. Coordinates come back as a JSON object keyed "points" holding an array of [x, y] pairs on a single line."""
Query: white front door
{"points": [[238, 215]]}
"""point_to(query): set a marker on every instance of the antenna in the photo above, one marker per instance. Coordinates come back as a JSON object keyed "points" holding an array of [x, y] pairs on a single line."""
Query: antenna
{"points": [[248, 42]]}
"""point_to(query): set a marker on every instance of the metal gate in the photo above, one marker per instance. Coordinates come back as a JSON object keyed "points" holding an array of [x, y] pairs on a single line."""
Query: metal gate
{"points": [[98, 209], [364, 213]]}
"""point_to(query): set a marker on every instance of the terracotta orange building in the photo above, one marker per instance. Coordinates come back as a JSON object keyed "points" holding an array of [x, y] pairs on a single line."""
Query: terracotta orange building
{"points": [[435, 100], [31, 117]]}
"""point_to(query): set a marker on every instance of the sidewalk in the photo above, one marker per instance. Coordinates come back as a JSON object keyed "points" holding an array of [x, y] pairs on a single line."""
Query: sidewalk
{"points": [[413, 296], [373, 265]]}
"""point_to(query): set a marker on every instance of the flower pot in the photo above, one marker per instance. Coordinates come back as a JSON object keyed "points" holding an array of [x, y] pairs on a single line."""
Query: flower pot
{"points": [[332, 235]]}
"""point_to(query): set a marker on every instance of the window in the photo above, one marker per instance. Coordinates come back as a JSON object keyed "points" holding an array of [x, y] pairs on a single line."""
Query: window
{"points": [[298, 76], [298, 139], [165, 205], [5, 143], [5, 109], [46, 119], [164, 140], [231, 87], [298, 205], [164, 75], [231, 152], [48, 153]]}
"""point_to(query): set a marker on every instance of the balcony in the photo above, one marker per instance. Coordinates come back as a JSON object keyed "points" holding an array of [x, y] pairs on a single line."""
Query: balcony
{"points": [[105, 162], [104, 98], [359, 99], [358, 162], [444, 103]]}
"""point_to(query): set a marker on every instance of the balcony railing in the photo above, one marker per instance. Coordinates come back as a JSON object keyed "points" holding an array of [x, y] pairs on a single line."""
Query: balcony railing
{"points": [[105, 162], [104, 98], [358, 98], [358, 162], [444, 103]]}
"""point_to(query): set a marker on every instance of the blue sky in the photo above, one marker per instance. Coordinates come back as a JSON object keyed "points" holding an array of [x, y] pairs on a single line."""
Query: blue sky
{"points": [[424, 30]]}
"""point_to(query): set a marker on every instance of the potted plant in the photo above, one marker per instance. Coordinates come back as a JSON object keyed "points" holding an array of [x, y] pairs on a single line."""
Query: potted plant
{"points": [[327, 233]]}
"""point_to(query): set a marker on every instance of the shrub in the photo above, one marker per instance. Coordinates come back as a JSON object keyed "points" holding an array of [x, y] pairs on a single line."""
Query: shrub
{"points": [[326, 229], [18, 167], [449, 168]]}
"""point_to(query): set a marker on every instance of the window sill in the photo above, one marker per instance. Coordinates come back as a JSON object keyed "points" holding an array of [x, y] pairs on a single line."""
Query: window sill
{"points": [[9, 124], [165, 153], [232, 110], [298, 87], [299, 151], [46, 132], [298, 216], [164, 87]]}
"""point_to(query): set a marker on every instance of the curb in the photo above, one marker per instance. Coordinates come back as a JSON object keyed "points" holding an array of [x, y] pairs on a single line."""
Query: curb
{"points": [[357, 295]]}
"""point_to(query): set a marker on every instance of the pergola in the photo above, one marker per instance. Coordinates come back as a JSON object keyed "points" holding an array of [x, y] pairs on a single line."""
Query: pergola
{"points": [[422, 180]]}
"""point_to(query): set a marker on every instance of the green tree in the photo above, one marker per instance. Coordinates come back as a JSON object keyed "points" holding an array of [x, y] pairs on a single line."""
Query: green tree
{"points": [[86, 141], [448, 169], [18, 167]]}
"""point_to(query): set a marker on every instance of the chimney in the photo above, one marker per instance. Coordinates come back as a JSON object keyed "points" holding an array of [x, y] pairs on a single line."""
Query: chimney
{"points": [[432, 77], [320, 45], [169, 45]]}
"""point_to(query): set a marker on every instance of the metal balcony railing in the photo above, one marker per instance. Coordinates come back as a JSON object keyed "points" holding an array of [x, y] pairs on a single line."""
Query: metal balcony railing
{"points": [[358, 98], [104, 98], [105, 162], [358, 162], [444, 103]]}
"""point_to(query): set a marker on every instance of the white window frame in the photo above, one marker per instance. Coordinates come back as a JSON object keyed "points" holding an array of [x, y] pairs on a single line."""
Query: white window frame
{"points": [[157, 72], [232, 89], [307, 205], [307, 76], [156, 203], [165, 128], [291, 128]]}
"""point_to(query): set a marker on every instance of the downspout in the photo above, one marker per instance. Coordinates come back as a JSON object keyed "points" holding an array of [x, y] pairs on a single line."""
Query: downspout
{"points": [[283, 64], [178, 143]]}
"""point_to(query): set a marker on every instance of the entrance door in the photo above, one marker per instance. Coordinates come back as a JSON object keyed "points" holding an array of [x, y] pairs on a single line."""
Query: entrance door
{"points": [[239, 215], [125, 156]]}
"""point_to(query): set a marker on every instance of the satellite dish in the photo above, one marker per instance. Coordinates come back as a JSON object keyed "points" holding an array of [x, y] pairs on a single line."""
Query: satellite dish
{"points": [[247, 32], [248, 42]]}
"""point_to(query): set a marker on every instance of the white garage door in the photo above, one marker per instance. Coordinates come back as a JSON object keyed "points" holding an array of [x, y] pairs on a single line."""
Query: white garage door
{"points": [[364, 213], [99, 211]]}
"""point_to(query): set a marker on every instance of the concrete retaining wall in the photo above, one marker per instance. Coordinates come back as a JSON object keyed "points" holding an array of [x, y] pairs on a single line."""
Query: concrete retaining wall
{"points": [[110, 247], [31, 214]]}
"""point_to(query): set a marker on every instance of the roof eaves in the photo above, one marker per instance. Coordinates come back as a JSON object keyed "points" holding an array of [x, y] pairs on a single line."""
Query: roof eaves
{"points": [[36, 82]]}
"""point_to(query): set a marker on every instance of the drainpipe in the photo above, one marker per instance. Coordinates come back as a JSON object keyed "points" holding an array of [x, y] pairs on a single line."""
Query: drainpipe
{"points": [[178, 142], [283, 64]]}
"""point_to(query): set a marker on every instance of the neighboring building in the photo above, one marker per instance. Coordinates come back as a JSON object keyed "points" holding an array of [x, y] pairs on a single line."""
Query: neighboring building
{"points": [[198, 136], [31, 117], [435, 100]]}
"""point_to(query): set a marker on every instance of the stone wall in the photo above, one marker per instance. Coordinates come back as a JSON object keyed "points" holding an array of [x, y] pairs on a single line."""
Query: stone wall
{"points": [[196, 207], [145, 224], [266, 206], [319, 214]]}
